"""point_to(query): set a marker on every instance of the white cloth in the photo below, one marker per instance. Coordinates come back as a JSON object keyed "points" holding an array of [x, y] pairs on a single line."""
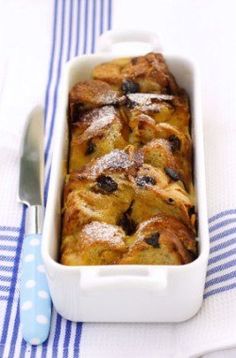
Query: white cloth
{"points": [[201, 29]]}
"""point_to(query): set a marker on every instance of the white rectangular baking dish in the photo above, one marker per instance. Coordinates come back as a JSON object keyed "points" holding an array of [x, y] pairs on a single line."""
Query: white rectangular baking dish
{"points": [[125, 293]]}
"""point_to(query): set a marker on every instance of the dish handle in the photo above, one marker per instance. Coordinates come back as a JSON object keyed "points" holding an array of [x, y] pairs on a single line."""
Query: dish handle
{"points": [[136, 41], [134, 278]]}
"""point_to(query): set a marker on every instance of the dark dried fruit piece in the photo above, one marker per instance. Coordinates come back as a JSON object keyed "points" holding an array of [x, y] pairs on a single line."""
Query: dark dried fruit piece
{"points": [[106, 184], [145, 180], [129, 86], [129, 103], [127, 224], [153, 240], [90, 148], [191, 211], [175, 143], [134, 60], [172, 174], [75, 112]]}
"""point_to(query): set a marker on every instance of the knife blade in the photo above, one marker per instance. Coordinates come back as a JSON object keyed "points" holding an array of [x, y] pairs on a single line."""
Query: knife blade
{"points": [[35, 303], [31, 161]]}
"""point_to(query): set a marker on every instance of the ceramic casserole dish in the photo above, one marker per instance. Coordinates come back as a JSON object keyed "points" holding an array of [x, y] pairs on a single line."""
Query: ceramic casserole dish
{"points": [[124, 293]]}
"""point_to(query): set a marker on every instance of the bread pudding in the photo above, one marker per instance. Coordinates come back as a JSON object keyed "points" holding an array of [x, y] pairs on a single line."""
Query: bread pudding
{"points": [[129, 193]]}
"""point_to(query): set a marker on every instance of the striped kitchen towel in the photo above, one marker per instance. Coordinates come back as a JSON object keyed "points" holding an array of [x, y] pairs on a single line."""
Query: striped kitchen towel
{"points": [[32, 53]]}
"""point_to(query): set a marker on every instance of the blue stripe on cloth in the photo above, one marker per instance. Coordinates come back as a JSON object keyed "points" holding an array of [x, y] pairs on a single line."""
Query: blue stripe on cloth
{"points": [[223, 234], [85, 26], [6, 258], [219, 257], [77, 339], [109, 14], [221, 267], [9, 228], [8, 238], [47, 186], [55, 95], [4, 289], [45, 344], [221, 224], [23, 348], [70, 32], [33, 351], [78, 28], [5, 279], [93, 27], [57, 331], [7, 248], [6, 269], [57, 82], [220, 279], [220, 290], [14, 333], [67, 338], [222, 245], [101, 16], [227, 258], [13, 284], [221, 214], [52, 57]]}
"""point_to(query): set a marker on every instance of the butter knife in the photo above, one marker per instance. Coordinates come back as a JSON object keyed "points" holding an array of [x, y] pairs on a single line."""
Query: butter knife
{"points": [[35, 302]]}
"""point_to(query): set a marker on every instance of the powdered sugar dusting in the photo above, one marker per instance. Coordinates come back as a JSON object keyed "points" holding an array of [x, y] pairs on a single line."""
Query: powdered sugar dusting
{"points": [[97, 231], [114, 160], [108, 97], [102, 118], [117, 159], [148, 101]]}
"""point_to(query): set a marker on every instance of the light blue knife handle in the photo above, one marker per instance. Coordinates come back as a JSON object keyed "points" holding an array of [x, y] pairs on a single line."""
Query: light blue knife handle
{"points": [[35, 302]]}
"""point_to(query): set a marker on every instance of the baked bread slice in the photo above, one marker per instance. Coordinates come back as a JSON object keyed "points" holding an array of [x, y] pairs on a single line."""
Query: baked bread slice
{"points": [[161, 240], [96, 244], [90, 94], [147, 73], [169, 109], [98, 132]]}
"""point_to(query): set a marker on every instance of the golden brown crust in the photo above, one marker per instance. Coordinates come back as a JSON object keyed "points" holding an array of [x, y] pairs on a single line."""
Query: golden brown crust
{"points": [[101, 192], [90, 94], [159, 153], [128, 197], [96, 244], [173, 110], [109, 186], [99, 131], [161, 240], [150, 72]]}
